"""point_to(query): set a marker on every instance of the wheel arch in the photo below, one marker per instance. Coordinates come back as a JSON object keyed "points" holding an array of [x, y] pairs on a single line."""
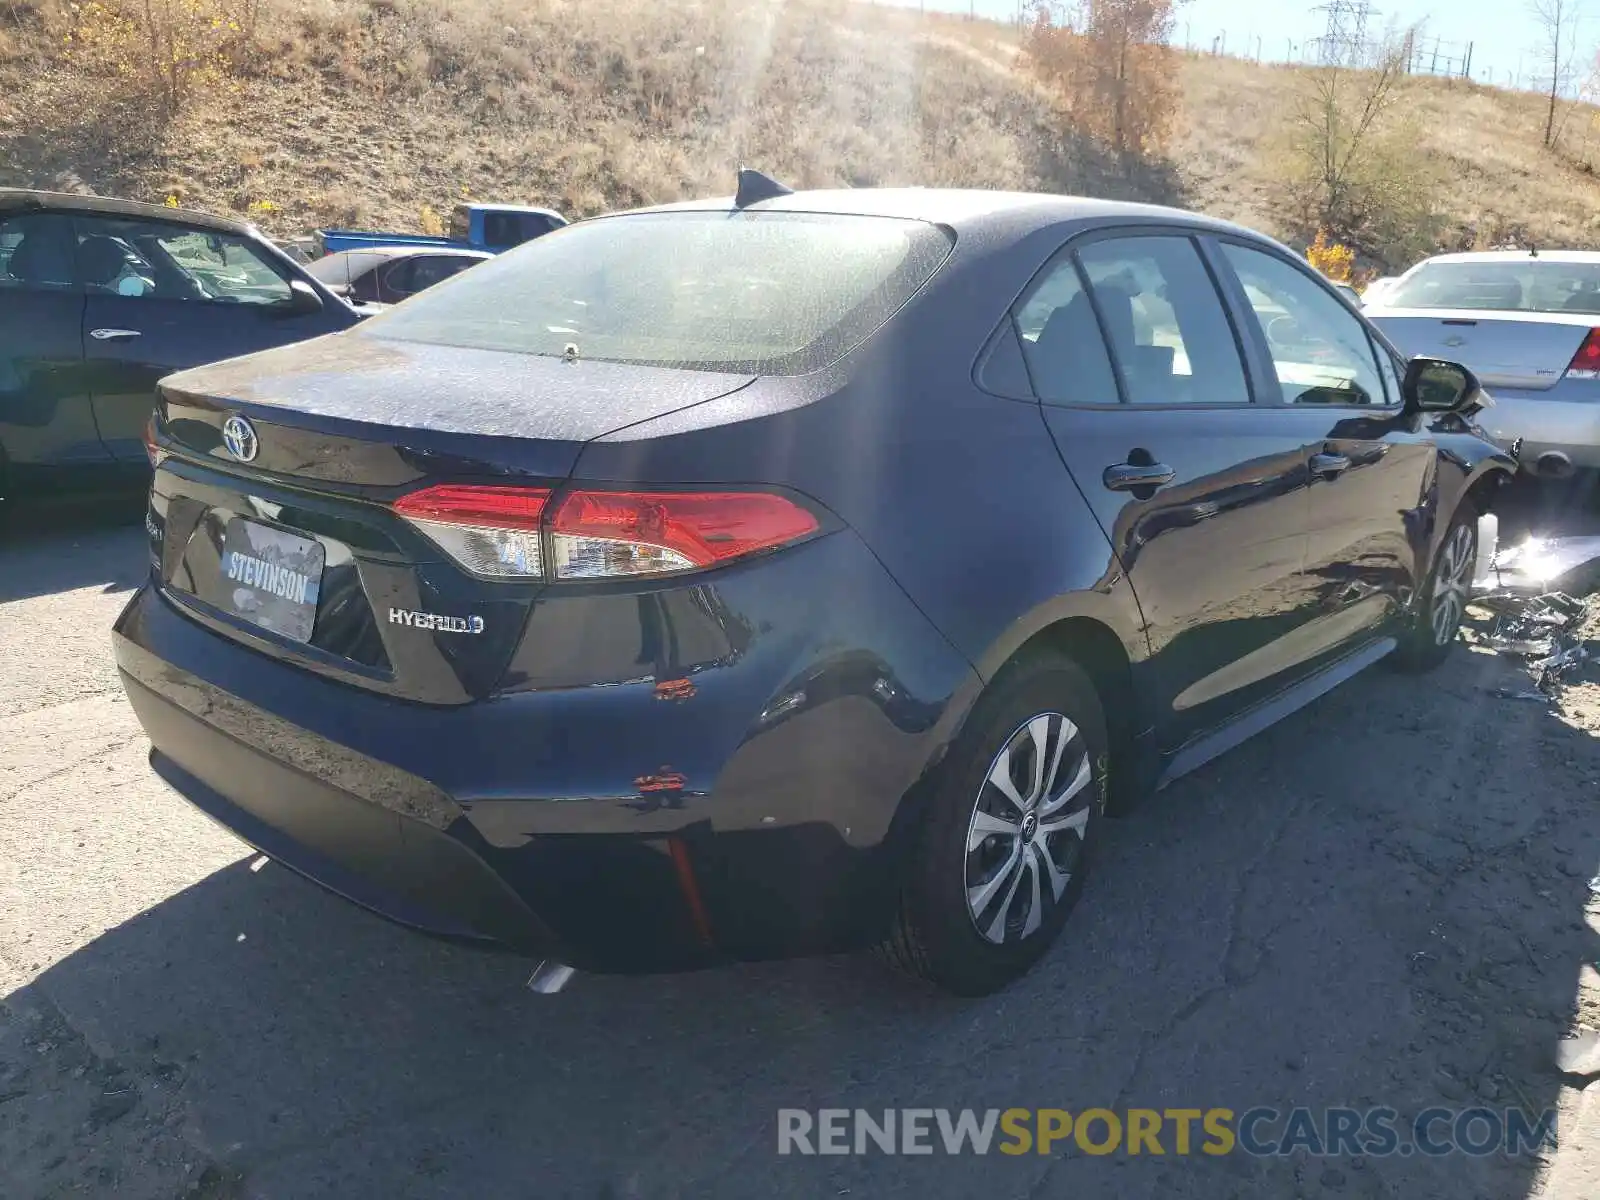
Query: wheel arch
{"points": [[1475, 491], [1096, 648], [1484, 485]]}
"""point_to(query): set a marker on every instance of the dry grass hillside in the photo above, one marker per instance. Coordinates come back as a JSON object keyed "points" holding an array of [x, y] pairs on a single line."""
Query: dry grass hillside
{"points": [[365, 111]]}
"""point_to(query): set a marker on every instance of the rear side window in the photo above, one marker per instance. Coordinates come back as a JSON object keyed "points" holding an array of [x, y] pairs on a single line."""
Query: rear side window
{"points": [[1168, 331], [36, 252], [775, 293], [1061, 340]]}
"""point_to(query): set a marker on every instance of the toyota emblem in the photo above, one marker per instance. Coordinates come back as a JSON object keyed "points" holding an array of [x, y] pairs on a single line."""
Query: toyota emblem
{"points": [[239, 436]]}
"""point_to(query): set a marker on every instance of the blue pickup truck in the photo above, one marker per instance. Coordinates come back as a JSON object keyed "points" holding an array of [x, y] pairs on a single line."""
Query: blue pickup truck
{"points": [[491, 227]]}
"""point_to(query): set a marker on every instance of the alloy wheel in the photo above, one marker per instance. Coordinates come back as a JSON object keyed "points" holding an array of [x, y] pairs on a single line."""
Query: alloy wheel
{"points": [[1452, 577], [1026, 834]]}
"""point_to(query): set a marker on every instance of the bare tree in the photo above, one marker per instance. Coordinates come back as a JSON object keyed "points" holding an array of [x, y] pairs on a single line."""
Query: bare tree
{"points": [[1338, 118], [1558, 48], [1111, 67], [1351, 170]]}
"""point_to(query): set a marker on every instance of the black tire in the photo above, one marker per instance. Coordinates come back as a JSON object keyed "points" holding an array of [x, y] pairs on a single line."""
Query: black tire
{"points": [[1430, 637], [936, 935]]}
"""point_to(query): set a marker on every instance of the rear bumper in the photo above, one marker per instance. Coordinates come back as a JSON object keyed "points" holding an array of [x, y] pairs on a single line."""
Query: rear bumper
{"points": [[605, 826], [381, 861], [1563, 420]]}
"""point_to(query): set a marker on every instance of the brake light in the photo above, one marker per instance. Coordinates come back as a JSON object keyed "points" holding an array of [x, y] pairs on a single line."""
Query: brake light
{"points": [[488, 530], [152, 449], [600, 535], [1586, 362], [496, 531]]}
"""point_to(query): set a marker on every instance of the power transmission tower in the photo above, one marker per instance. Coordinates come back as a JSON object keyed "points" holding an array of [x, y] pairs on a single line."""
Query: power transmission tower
{"points": [[1344, 39]]}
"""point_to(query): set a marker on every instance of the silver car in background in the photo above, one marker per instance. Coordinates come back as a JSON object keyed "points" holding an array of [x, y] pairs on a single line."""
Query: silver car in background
{"points": [[1527, 322]]}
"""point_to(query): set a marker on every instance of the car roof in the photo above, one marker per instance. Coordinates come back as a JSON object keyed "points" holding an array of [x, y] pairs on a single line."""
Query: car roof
{"points": [[26, 200], [510, 208], [962, 209], [415, 251], [1503, 256]]}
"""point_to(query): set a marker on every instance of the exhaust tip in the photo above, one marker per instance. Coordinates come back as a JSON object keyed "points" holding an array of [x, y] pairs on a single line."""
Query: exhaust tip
{"points": [[549, 977], [1552, 464]]}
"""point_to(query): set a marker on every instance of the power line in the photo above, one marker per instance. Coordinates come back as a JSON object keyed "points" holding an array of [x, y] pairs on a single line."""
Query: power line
{"points": [[1344, 39]]}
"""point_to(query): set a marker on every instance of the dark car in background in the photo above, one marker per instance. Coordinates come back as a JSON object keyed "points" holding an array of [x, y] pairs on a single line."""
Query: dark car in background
{"points": [[390, 274], [99, 298], [786, 575]]}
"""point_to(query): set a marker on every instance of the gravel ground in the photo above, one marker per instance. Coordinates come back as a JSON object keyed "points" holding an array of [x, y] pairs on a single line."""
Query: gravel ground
{"points": [[1382, 901]]}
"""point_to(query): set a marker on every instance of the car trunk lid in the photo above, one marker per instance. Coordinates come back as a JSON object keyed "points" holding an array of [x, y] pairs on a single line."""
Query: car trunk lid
{"points": [[1529, 351], [286, 540], [386, 400]]}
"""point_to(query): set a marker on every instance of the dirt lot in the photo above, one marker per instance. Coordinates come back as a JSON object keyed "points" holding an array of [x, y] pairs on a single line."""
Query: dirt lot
{"points": [[1383, 901]]}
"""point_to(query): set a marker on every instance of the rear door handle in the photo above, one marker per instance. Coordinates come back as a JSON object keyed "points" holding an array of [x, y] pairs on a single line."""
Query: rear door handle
{"points": [[112, 335], [1329, 464], [1128, 477]]}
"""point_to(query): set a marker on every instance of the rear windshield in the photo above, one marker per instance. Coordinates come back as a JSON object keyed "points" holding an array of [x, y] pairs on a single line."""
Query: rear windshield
{"points": [[1530, 285], [763, 293]]}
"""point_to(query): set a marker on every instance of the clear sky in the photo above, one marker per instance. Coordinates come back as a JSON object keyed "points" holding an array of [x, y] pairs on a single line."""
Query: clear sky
{"points": [[1504, 33]]}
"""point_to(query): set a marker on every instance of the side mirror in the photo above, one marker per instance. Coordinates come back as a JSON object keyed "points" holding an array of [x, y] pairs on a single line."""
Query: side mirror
{"points": [[303, 300], [1437, 385]]}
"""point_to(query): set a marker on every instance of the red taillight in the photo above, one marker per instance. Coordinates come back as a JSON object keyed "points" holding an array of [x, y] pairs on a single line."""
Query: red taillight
{"points": [[599, 535], [152, 450], [1586, 362], [491, 531], [496, 531], [494, 507]]}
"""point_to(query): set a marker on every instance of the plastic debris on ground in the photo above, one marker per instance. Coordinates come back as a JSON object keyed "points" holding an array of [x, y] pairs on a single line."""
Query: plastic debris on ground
{"points": [[1579, 1055], [1534, 619]]}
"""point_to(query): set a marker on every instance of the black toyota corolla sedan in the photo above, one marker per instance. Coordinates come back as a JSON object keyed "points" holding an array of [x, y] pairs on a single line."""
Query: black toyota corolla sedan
{"points": [[789, 574], [99, 298]]}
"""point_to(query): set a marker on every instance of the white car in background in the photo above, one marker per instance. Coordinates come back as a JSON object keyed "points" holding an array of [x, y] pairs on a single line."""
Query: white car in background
{"points": [[1373, 293], [1527, 322]]}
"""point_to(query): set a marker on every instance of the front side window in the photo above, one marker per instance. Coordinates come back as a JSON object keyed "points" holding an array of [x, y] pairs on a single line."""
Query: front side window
{"points": [[155, 260], [430, 269], [36, 252], [1319, 347], [776, 293], [1166, 325], [1392, 370]]}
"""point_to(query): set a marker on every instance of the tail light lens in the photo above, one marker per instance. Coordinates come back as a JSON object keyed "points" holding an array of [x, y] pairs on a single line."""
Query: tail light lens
{"points": [[496, 531], [1586, 362], [152, 450], [602, 535], [492, 531]]}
